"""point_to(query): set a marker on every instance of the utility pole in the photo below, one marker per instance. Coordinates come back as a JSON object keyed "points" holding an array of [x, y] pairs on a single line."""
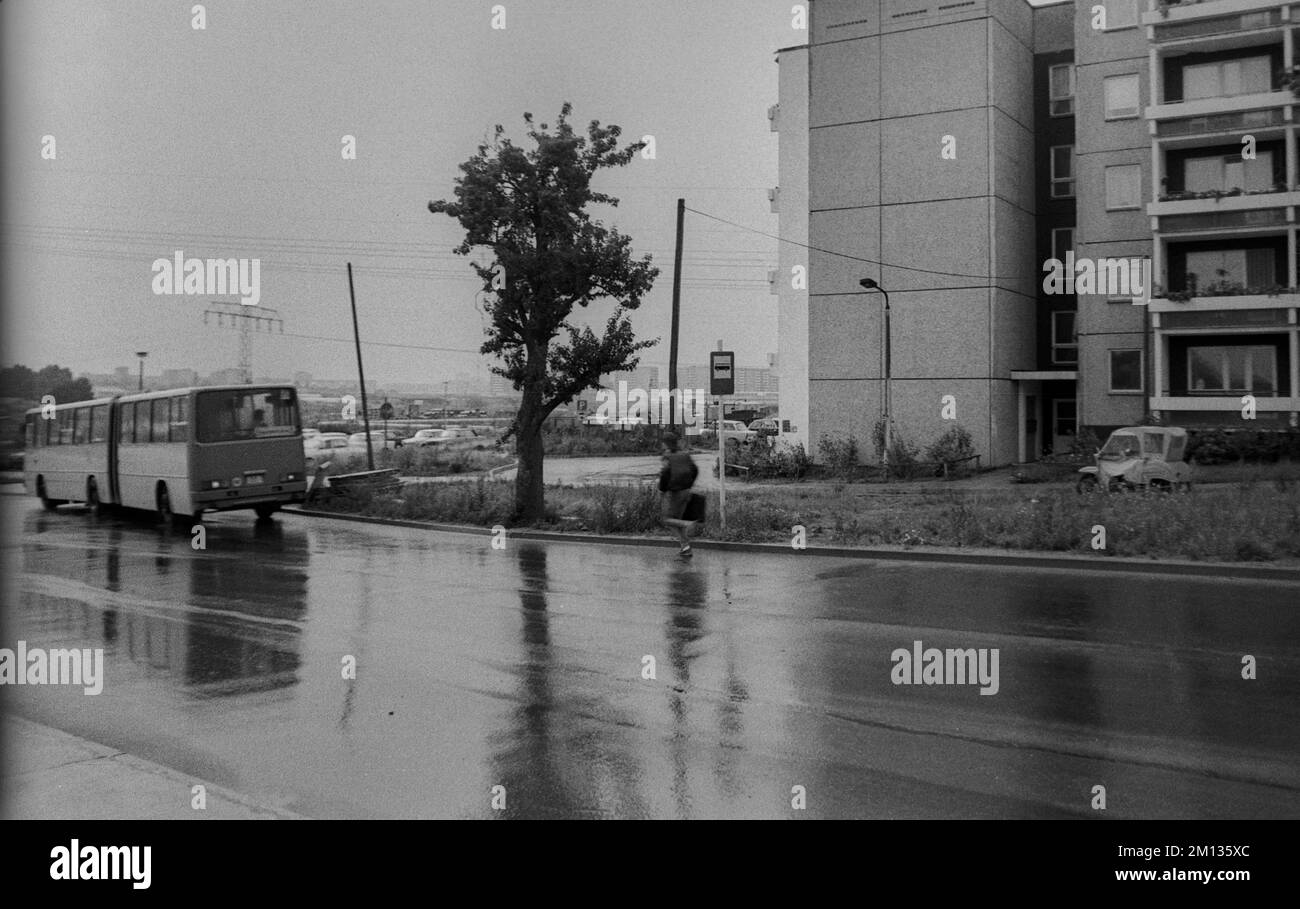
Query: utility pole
{"points": [[356, 335], [674, 393]]}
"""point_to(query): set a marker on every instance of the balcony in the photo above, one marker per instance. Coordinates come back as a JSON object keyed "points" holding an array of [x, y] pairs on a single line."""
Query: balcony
{"points": [[1219, 28], [1209, 107], [1190, 131], [1224, 202], [1224, 402], [1177, 15], [1215, 304]]}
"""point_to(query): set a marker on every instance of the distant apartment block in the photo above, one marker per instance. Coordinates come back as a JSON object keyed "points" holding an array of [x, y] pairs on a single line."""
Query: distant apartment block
{"points": [[179, 378], [951, 149]]}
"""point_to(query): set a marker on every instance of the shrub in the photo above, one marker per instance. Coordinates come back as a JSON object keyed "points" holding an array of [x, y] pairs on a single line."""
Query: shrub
{"points": [[1211, 447], [840, 455], [904, 457], [953, 445], [790, 462], [1085, 445]]}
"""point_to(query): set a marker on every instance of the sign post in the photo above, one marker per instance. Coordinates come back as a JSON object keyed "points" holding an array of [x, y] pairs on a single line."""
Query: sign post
{"points": [[722, 382], [385, 414]]}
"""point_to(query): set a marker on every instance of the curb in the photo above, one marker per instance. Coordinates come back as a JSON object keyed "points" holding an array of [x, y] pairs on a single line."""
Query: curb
{"points": [[1247, 570]]}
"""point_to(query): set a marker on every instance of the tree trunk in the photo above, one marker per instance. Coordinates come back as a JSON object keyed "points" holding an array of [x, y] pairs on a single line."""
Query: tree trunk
{"points": [[530, 502], [530, 496]]}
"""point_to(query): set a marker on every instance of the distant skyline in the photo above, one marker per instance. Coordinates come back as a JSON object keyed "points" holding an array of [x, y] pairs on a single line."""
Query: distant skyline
{"points": [[226, 142]]}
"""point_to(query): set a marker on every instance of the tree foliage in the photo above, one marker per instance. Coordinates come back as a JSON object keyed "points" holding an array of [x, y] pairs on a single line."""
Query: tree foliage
{"points": [[528, 208], [21, 382]]}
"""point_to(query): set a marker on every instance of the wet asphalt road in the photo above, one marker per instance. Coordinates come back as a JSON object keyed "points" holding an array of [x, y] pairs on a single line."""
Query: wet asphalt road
{"points": [[523, 668]]}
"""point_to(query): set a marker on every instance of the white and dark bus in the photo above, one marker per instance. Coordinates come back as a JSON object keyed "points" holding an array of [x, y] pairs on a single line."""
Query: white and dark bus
{"points": [[178, 452]]}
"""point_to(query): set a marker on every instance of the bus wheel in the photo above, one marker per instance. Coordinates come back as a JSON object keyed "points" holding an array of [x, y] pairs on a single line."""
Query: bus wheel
{"points": [[46, 502], [264, 512], [165, 513], [93, 502]]}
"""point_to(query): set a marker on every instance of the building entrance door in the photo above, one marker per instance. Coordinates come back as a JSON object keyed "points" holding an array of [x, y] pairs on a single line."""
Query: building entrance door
{"points": [[1065, 424]]}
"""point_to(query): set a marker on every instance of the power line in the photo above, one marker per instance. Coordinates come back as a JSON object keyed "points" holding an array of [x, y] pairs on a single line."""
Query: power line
{"points": [[831, 252]]}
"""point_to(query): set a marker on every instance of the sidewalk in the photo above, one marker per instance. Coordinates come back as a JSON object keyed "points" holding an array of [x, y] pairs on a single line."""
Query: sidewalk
{"points": [[51, 775]]}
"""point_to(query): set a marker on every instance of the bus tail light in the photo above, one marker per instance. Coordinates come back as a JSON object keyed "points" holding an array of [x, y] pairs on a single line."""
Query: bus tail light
{"points": [[292, 477], [215, 484]]}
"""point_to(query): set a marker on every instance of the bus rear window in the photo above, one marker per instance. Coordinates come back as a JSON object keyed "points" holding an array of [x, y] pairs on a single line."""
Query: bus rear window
{"points": [[254, 414]]}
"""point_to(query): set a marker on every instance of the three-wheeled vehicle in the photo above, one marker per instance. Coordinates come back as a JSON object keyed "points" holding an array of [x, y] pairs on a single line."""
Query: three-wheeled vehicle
{"points": [[1140, 457]]}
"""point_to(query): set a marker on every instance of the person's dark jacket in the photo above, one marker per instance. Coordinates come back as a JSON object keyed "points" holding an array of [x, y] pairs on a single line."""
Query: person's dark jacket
{"points": [[678, 473]]}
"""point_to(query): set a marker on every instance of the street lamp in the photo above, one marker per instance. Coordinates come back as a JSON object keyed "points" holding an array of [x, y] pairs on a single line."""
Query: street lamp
{"points": [[870, 284], [141, 354]]}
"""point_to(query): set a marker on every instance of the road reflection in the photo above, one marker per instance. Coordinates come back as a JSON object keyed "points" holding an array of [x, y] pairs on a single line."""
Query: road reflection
{"points": [[220, 621]]}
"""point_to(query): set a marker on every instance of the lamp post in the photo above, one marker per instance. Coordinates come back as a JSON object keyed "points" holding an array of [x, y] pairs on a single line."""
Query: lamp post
{"points": [[141, 354], [869, 284]]}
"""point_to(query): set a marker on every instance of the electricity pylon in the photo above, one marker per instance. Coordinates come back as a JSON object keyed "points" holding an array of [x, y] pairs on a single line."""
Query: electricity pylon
{"points": [[246, 319]]}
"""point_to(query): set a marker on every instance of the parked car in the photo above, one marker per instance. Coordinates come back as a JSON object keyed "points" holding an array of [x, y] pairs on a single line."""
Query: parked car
{"points": [[1140, 457], [310, 441], [325, 449], [426, 437], [378, 438], [737, 433], [766, 427]]}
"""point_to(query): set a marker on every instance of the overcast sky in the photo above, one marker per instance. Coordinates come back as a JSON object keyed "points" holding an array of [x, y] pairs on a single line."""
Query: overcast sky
{"points": [[226, 141]]}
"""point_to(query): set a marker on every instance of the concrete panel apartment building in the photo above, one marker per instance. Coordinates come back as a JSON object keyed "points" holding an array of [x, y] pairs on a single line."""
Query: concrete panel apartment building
{"points": [[948, 149]]}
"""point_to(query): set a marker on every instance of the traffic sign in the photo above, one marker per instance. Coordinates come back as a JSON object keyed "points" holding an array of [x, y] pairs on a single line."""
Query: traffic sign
{"points": [[385, 411], [722, 372]]}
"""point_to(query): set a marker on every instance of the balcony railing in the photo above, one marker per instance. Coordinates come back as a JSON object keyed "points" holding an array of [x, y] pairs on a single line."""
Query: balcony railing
{"points": [[1165, 13], [1231, 122], [1210, 108], [1175, 221], [1183, 29], [1249, 307]]}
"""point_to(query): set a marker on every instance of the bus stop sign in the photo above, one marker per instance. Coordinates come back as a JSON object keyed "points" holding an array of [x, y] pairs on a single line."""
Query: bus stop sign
{"points": [[722, 373]]}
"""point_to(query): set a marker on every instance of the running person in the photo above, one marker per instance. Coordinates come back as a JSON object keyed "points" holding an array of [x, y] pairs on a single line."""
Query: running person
{"points": [[676, 478]]}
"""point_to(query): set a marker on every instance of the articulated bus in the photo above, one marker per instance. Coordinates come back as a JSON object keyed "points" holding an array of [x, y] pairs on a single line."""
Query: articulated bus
{"points": [[178, 452]]}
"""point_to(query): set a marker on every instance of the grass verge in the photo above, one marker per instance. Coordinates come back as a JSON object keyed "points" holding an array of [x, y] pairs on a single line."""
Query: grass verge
{"points": [[1249, 521]]}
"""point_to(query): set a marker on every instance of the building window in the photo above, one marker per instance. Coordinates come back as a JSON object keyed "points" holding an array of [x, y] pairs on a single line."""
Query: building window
{"points": [[1122, 96], [1123, 186], [1065, 349], [1223, 269], [1121, 14], [1061, 90], [1243, 76], [1126, 371], [1231, 370], [1062, 171], [1224, 173], [1062, 242]]}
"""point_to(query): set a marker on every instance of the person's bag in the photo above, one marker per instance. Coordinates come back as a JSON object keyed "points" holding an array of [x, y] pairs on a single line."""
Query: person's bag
{"points": [[683, 470], [694, 508]]}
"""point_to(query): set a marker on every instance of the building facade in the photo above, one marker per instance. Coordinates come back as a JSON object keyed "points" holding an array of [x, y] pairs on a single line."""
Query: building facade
{"points": [[953, 150]]}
